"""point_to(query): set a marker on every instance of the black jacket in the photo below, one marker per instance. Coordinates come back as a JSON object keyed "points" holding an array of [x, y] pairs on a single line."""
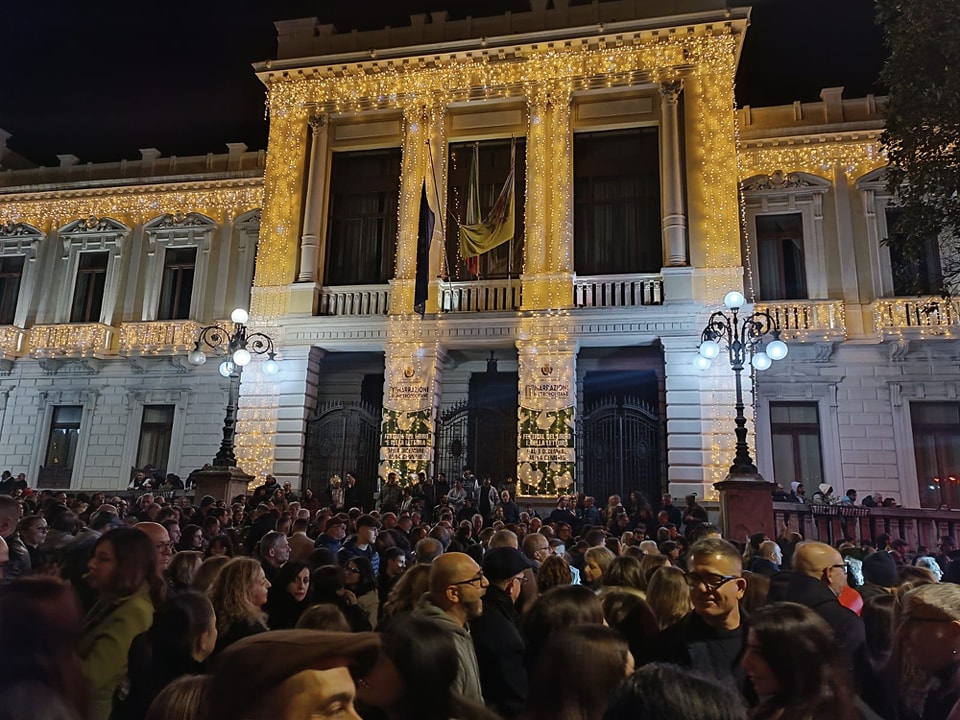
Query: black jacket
{"points": [[847, 626], [499, 647], [762, 566], [693, 644]]}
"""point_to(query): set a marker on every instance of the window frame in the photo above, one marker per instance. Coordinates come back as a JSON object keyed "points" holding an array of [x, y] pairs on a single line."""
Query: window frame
{"points": [[91, 235], [795, 431], [21, 239], [177, 231], [166, 428]]}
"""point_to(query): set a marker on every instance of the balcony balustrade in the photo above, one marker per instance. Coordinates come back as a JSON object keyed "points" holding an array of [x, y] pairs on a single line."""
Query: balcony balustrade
{"points": [[163, 337], [929, 315], [74, 340], [617, 291], [807, 319], [480, 296], [354, 300]]}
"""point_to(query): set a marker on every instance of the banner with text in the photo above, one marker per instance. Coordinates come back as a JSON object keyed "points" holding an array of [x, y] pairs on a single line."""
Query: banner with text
{"points": [[406, 442]]}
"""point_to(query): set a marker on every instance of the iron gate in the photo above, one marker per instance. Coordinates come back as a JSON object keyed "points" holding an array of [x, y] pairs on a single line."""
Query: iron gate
{"points": [[343, 437], [482, 438], [619, 449]]}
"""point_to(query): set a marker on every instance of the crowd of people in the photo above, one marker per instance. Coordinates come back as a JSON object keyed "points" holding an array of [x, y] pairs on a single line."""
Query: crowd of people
{"points": [[287, 606]]}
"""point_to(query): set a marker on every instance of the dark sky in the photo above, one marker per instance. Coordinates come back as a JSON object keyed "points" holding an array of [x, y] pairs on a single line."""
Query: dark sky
{"points": [[102, 78]]}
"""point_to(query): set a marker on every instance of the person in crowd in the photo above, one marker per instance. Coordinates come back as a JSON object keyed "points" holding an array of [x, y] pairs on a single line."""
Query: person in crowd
{"points": [[191, 538], [221, 545], [795, 666], [554, 572], [824, 495], [288, 595], [623, 573], [362, 544], [925, 665], [768, 559], [709, 639], [208, 570], [667, 692], [694, 514], [601, 660], [274, 552], [183, 699], [324, 617], [19, 563], [561, 607], [797, 493], [300, 543], [183, 634], [511, 511], [394, 566], [407, 592], [819, 576], [596, 560], [123, 572], [930, 563], [40, 626], [291, 675], [328, 586], [33, 531], [668, 596], [879, 574], [457, 585], [182, 570], [496, 633], [360, 580], [239, 593], [161, 541], [880, 625]]}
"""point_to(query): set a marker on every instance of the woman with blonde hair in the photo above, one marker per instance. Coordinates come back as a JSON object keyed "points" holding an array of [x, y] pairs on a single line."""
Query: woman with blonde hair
{"points": [[238, 594], [596, 560], [668, 595], [183, 699], [208, 571], [408, 590], [182, 569]]}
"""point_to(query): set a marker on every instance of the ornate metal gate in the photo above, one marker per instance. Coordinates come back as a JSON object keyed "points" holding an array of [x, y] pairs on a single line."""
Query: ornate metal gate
{"points": [[483, 438], [619, 449], [343, 437]]}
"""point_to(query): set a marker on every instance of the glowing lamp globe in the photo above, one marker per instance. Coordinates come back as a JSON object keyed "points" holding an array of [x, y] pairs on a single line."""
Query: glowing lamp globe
{"points": [[239, 316]]}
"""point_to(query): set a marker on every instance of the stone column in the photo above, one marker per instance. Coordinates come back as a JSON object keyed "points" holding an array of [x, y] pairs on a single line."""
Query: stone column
{"points": [[674, 214], [313, 207]]}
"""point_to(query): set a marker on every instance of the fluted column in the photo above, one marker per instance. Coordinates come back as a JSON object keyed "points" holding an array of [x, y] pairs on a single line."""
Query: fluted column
{"points": [[674, 214], [313, 208]]}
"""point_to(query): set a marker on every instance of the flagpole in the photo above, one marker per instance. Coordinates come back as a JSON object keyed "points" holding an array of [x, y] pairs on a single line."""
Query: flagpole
{"points": [[443, 228]]}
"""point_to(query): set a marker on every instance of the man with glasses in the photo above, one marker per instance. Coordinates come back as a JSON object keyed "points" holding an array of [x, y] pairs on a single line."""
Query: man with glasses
{"points": [[710, 638], [18, 559], [819, 577], [457, 586], [496, 633], [161, 539]]}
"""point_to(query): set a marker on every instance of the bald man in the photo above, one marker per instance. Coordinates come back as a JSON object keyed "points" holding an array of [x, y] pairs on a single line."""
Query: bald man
{"points": [[161, 540], [456, 587], [4, 557], [819, 576]]}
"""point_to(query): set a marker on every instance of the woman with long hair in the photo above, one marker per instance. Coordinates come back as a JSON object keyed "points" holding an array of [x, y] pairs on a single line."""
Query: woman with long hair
{"points": [[409, 589], [238, 594], [288, 596], [183, 634], [596, 560], [561, 607], [360, 580], [668, 595], [123, 572], [220, 545], [623, 573], [191, 538], [328, 586], [667, 692], [795, 667], [600, 661], [183, 569], [554, 572]]}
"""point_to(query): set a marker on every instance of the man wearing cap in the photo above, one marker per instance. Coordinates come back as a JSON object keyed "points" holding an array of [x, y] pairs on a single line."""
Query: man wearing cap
{"points": [[457, 586], [332, 536], [361, 544], [291, 674], [496, 633]]}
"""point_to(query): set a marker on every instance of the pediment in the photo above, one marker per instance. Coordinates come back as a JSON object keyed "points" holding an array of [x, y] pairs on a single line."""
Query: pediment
{"points": [[780, 182], [18, 230], [94, 226], [876, 179], [181, 221]]}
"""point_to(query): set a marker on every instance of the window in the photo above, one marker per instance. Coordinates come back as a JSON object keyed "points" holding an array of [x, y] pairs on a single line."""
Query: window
{"points": [[62, 445], [362, 226], [936, 446], [780, 259], [795, 435], [179, 265], [155, 433], [11, 272], [91, 282], [617, 202], [918, 272], [493, 167]]}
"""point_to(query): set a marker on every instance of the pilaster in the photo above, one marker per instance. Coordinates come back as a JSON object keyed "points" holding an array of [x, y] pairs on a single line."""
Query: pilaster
{"points": [[674, 215], [313, 206]]}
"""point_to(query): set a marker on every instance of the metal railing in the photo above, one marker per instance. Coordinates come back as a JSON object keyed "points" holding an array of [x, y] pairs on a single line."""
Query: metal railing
{"points": [[480, 296], [354, 300], [609, 291], [799, 319]]}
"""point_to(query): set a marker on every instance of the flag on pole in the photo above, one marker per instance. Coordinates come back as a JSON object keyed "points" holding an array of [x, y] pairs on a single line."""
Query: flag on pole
{"points": [[424, 237], [478, 236]]}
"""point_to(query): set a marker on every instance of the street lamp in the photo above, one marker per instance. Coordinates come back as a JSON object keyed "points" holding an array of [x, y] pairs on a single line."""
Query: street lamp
{"points": [[237, 349], [744, 340]]}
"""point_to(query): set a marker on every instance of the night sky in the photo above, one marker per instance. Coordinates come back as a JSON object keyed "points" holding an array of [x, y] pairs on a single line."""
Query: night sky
{"points": [[102, 78]]}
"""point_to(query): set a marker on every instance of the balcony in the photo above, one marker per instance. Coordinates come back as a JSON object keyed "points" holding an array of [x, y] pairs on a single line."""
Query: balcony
{"points": [[354, 300], [480, 296], [807, 319], [618, 291], [165, 337], [12, 341], [76, 340], [922, 316]]}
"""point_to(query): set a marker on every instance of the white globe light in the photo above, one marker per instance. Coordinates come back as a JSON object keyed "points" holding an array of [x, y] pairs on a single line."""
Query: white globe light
{"points": [[271, 367], [226, 368], [239, 316], [761, 361], [701, 363], [197, 357], [709, 349], [734, 300], [242, 357], [777, 350]]}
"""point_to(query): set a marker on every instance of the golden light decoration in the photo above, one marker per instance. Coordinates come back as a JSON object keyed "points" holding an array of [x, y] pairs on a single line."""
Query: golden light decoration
{"points": [[855, 156], [75, 340], [931, 316], [167, 337]]}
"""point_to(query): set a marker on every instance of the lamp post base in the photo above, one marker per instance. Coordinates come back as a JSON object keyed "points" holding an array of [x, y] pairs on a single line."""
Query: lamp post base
{"points": [[222, 483], [746, 506]]}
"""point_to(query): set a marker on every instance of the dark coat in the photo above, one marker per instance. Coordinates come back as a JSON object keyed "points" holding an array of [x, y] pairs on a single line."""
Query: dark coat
{"points": [[149, 672], [499, 647], [762, 566], [692, 644], [847, 626]]}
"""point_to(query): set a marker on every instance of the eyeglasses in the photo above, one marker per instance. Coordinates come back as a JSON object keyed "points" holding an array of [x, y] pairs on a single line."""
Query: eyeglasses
{"points": [[522, 579], [841, 566], [165, 547], [478, 579], [710, 583], [351, 569]]}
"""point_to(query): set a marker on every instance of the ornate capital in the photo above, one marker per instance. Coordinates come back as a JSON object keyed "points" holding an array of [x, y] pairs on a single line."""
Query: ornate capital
{"points": [[670, 90], [317, 121]]}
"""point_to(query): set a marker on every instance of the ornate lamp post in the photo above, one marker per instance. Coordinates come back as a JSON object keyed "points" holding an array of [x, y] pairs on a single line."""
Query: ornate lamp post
{"points": [[744, 339], [237, 349]]}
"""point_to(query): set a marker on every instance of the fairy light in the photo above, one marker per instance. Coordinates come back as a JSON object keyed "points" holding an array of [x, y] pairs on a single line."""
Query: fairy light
{"points": [[926, 317], [856, 156], [52, 341], [155, 338]]}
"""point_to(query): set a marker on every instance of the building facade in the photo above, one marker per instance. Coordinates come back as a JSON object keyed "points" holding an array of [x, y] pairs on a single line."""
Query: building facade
{"points": [[561, 358]]}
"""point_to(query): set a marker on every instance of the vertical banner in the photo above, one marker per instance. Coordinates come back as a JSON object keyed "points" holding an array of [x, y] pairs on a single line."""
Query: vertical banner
{"points": [[546, 453]]}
